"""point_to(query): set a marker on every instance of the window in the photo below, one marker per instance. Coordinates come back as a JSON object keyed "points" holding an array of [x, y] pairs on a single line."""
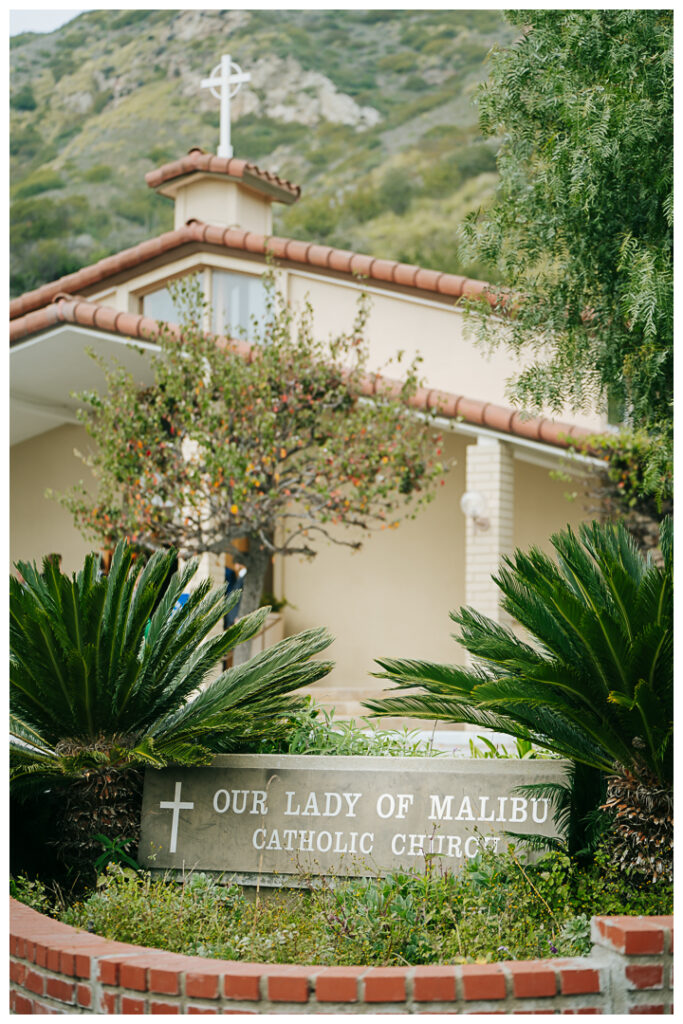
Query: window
{"points": [[160, 306], [238, 299]]}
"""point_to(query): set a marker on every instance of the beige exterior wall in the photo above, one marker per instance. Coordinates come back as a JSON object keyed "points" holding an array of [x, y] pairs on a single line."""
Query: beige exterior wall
{"points": [[437, 331], [393, 598], [220, 202], [39, 525], [542, 506], [390, 599]]}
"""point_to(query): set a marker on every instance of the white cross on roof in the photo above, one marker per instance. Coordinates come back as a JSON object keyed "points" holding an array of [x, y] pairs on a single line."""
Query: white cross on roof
{"points": [[226, 77]]}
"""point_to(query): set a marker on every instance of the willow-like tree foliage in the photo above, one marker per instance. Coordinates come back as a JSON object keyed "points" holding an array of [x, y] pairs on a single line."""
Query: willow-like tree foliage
{"points": [[582, 227]]}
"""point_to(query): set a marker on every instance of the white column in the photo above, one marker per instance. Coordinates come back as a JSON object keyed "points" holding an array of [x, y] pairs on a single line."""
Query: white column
{"points": [[489, 473]]}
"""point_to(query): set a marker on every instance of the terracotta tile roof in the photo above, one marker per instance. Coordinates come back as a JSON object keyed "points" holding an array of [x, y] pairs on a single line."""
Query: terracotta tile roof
{"points": [[237, 240], [68, 309], [230, 167]]}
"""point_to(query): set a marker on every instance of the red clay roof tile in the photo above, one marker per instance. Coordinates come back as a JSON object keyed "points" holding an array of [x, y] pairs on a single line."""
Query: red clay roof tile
{"points": [[276, 247], [340, 259], [361, 264], [405, 274], [297, 251], [450, 284], [319, 255], [198, 160], [472, 411], [306, 253], [498, 418], [383, 270], [474, 289], [89, 314], [427, 279]]}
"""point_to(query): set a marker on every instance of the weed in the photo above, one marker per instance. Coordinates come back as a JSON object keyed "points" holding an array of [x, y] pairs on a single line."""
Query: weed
{"points": [[496, 908]]}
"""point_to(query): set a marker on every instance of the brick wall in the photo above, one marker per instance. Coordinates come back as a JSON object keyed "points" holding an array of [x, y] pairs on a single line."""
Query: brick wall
{"points": [[57, 969]]}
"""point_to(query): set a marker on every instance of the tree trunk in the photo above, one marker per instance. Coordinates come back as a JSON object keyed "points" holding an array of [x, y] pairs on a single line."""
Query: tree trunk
{"points": [[257, 561]]}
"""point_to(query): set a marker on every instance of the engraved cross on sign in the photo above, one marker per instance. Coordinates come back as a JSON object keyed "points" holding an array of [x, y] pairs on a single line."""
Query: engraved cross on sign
{"points": [[224, 83], [176, 805]]}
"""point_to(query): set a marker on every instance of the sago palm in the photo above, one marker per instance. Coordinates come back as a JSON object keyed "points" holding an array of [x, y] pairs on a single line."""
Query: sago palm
{"points": [[593, 679], [108, 674]]}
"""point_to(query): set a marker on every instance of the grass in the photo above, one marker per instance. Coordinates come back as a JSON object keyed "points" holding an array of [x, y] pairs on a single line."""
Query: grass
{"points": [[497, 908]]}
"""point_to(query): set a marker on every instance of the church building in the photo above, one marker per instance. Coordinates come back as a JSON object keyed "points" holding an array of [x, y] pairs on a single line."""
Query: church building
{"points": [[393, 597]]}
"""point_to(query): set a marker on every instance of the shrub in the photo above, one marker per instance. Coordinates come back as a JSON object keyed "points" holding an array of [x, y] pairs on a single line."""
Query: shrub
{"points": [[595, 684], [42, 180], [497, 908], [23, 99], [106, 677]]}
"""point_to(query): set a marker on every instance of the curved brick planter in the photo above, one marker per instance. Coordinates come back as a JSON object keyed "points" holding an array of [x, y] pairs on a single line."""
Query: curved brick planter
{"points": [[57, 969]]}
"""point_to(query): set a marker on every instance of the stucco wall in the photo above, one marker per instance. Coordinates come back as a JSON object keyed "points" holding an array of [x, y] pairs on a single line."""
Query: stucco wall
{"points": [[439, 332], [391, 598], [394, 597], [40, 525], [542, 505]]}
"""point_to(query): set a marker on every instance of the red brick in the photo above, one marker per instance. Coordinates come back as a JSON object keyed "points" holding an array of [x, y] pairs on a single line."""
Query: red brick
{"points": [[385, 985], [242, 981], [108, 1002], [647, 1008], [83, 995], [633, 935], [164, 982], [201, 985], [35, 982], [40, 951], [20, 1004], [581, 980], [289, 984], [645, 975], [532, 979], [482, 981], [37, 1007], [17, 971], [155, 1007], [59, 989], [131, 1005], [133, 976], [434, 984], [53, 958], [108, 972], [73, 963], [67, 963], [338, 984]]}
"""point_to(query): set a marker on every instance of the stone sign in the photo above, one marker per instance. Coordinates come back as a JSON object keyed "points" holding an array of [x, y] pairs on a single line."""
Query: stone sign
{"points": [[280, 818]]}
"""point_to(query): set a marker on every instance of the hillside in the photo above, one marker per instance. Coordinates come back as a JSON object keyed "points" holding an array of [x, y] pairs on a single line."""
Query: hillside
{"points": [[371, 112]]}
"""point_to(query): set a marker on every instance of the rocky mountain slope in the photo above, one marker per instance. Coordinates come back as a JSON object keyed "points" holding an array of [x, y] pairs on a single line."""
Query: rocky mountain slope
{"points": [[371, 112]]}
